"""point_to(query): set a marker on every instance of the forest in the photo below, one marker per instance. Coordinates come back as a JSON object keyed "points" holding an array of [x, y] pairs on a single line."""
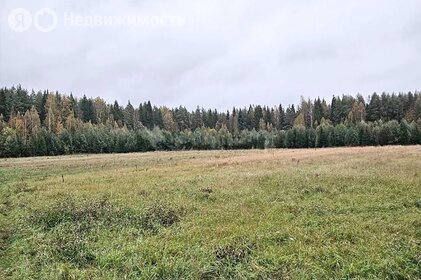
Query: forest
{"points": [[46, 123]]}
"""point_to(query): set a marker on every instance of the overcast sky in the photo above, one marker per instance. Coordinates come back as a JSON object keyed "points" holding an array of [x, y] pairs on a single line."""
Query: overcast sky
{"points": [[227, 53]]}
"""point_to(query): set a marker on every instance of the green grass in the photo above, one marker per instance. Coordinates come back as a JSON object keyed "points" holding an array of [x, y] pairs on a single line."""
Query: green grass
{"points": [[346, 213]]}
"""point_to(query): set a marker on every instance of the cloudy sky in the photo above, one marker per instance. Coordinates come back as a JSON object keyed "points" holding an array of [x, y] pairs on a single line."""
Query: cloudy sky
{"points": [[220, 54]]}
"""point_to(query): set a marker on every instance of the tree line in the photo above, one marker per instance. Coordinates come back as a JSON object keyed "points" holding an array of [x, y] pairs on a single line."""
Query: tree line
{"points": [[49, 123]]}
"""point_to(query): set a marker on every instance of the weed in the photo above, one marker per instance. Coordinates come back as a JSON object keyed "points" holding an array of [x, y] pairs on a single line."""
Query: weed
{"points": [[5, 234], [143, 193], [67, 210], [206, 190], [229, 259], [23, 187], [70, 243], [71, 226], [233, 253], [313, 190], [159, 214]]}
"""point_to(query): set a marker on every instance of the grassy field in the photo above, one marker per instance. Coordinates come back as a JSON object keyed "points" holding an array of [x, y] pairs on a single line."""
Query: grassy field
{"points": [[345, 213]]}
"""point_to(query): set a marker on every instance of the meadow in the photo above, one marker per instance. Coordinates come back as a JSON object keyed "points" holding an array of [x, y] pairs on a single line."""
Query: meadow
{"points": [[337, 213]]}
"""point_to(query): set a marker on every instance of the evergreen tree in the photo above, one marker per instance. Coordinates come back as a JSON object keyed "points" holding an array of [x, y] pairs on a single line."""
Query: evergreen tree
{"points": [[87, 110], [351, 137], [335, 110], [374, 108], [405, 133], [129, 119], [257, 116], [280, 122], [318, 111], [3, 101], [197, 120], [117, 113], [290, 116], [44, 123], [157, 117]]}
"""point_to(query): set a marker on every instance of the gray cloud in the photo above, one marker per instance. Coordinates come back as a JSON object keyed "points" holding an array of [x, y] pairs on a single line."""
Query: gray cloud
{"points": [[236, 53]]}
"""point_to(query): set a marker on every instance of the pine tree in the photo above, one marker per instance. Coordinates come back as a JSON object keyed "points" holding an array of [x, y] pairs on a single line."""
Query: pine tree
{"points": [[257, 116], [242, 120], [405, 133], [351, 137], [417, 108], [128, 113], [157, 117], [148, 115], [234, 122], [306, 108], [117, 113], [334, 109], [318, 111], [197, 119], [87, 110], [3, 101], [374, 108], [290, 116]]}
